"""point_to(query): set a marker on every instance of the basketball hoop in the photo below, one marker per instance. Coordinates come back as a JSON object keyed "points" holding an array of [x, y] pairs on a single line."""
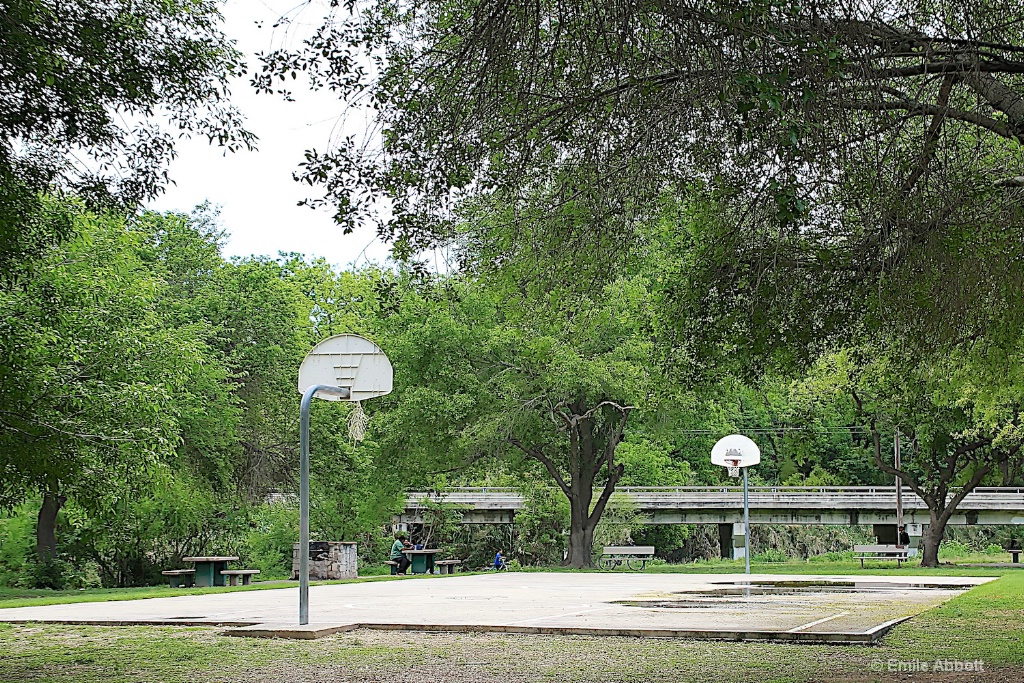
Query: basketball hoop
{"points": [[736, 452]]}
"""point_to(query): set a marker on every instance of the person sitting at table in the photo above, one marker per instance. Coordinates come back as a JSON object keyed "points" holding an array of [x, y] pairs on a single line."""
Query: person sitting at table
{"points": [[401, 543]]}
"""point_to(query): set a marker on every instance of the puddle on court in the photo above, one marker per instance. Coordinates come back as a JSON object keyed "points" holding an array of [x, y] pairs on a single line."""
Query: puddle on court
{"points": [[731, 590]]}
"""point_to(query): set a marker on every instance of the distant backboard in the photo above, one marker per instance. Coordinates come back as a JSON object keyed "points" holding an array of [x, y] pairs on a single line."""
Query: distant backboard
{"points": [[735, 450], [347, 360]]}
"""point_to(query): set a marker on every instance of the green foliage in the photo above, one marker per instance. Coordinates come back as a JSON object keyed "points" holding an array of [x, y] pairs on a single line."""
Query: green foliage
{"points": [[832, 556], [273, 529], [542, 525], [618, 523], [770, 555], [93, 384], [954, 549], [17, 547], [97, 95]]}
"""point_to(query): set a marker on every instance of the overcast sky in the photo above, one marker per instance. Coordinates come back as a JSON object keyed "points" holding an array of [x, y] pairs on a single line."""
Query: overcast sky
{"points": [[255, 190]]}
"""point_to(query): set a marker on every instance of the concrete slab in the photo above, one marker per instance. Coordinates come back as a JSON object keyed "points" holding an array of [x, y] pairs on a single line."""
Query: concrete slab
{"points": [[290, 631], [655, 605]]}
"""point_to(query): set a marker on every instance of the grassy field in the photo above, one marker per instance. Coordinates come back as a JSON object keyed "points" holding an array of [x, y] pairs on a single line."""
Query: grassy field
{"points": [[30, 597], [986, 623]]}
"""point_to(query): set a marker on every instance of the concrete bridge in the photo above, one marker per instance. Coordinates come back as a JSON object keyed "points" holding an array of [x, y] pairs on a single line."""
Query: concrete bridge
{"points": [[724, 505]]}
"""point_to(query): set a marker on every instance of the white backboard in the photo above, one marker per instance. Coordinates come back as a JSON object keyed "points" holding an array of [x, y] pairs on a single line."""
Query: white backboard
{"points": [[735, 450], [347, 360]]}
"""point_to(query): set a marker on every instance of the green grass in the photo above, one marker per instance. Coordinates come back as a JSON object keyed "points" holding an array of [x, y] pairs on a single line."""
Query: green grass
{"points": [[851, 567], [984, 623], [29, 597]]}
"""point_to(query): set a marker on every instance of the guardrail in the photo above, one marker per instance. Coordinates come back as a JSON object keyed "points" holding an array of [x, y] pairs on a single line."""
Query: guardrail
{"points": [[727, 497], [983, 490]]}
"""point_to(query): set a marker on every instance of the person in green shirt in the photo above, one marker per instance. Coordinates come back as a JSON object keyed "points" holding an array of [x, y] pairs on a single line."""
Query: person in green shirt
{"points": [[401, 543]]}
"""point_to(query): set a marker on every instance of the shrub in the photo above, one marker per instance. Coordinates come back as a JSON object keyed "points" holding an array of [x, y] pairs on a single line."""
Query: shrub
{"points": [[771, 555], [268, 545], [994, 549], [835, 556], [954, 549], [17, 541]]}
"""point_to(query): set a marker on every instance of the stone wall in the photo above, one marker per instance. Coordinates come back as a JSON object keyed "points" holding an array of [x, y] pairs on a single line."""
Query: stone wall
{"points": [[328, 560]]}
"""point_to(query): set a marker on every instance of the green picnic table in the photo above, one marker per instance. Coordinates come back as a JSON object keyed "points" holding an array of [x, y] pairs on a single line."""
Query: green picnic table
{"points": [[208, 569], [422, 561]]}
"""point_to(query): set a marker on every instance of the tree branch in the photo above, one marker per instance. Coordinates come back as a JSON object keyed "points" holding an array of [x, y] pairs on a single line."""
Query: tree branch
{"points": [[914, 108], [609, 489], [539, 456]]}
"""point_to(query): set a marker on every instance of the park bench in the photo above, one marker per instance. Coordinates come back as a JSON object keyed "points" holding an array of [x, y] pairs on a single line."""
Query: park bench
{"points": [[181, 577], [880, 552], [394, 566], [235, 574], [1015, 554], [634, 556], [447, 566]]}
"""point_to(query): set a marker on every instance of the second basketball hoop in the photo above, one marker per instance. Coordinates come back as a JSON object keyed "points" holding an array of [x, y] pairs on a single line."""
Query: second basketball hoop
{"points": [[736, 452]]}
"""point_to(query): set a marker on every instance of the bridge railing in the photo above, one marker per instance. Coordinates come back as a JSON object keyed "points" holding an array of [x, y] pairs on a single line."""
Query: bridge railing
{"points": [[888, 490]]}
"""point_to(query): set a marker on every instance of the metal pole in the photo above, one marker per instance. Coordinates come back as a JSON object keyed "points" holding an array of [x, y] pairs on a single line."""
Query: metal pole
{"points": [[899, 485], [307, 399], [746, 520]]}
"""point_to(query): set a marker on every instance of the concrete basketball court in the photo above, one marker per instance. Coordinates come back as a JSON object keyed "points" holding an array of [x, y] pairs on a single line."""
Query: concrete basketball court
{"points": [[623, 604]]}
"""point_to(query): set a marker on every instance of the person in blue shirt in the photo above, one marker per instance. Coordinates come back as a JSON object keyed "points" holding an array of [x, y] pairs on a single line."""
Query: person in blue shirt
{"points": [[499, 561]]}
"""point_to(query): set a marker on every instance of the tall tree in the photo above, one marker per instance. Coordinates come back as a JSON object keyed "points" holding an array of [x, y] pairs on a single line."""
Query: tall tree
{"points": [[855, 152], [93, 388], [959, 414], [543, 384], [95, 94]]}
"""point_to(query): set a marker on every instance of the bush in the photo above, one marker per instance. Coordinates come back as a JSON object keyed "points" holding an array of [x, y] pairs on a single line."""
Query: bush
{"points": [[268, 545], [17, 541], [771, 555], [994, 549], [954, 549], [835, 556]]}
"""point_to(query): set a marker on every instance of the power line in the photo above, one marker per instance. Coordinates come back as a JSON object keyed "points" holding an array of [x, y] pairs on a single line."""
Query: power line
{"points": [[776, 430]]}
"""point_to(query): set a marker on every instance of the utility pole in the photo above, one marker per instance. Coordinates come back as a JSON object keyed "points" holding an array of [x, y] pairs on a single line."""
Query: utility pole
{"points": [[899, 483]]}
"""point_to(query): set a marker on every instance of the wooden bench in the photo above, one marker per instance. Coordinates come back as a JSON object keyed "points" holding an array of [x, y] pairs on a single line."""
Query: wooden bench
{"points": [[181, 577], [634, 556], [235, 574], [880, 552], [447, 566]]}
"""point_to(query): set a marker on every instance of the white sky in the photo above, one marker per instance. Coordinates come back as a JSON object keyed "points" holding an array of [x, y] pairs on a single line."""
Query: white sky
{"points": [[255, 190]]}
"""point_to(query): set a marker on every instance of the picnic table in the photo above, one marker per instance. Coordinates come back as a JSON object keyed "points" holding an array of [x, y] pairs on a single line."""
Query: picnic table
{"points": [[208, 569], [422, 561]]}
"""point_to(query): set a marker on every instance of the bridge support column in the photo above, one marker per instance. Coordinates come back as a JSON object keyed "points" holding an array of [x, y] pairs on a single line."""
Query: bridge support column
{"points": [[739, 544], [916, 532]]}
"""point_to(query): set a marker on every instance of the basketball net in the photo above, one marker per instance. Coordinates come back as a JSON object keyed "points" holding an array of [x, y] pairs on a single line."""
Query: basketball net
{"points": [[357, 423], [734, 470]]}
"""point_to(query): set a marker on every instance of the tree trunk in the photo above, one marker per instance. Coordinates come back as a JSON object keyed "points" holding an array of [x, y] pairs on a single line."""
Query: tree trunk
{"points": [[46, 527], [581, 544], [932, 539], [581, 530]]}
